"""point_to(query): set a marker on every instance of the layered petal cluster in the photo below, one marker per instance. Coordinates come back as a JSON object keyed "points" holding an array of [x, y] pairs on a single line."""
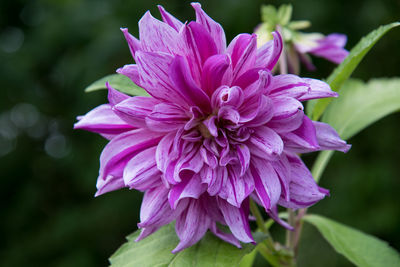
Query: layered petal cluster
{"points": [[218, 129]]}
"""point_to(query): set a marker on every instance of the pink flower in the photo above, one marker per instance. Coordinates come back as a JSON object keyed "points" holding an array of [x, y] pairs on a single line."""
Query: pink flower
{"points": [[218, 129], [330, 47]]}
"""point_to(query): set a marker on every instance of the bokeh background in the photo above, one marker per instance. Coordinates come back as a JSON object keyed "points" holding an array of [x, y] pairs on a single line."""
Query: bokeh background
{"points": [[50, 50]]}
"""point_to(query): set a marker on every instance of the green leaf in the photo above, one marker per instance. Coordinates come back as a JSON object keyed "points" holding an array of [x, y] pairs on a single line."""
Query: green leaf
{"points": [[360, 105], [118, 82], [284, 14], [269, 14], [358, 247], [155, 250], [315, 108]]}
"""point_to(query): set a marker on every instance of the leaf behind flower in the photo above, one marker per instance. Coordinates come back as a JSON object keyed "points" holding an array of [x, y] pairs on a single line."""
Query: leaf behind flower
{"points": [[360, 105], [359, 248], [155, 250], [118, 82]]}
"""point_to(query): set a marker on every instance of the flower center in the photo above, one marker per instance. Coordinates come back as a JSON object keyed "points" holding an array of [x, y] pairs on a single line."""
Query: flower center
{"points": [[204, 130]]}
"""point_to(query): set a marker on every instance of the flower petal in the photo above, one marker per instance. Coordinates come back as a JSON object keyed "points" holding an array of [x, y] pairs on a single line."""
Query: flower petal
{"points": [[141, 171], [304, 191], [265, 143], [153, 70], [191, 187], [227, 237], [328, 138], [214, 69], [212, 27], [169, 19], [133, 43], [132, 72], [288, 85], [156, 212], [114, 96], [238, 188], [303, 139], [183, 82], [200, 46], [216, 179], [318, 89], [266, 181], [242, 50], [134, 110], [166, 117], [191, 225], [227, 96], [102, 120], [237, 220], [269, 53], [157, 36], [119, 151]]}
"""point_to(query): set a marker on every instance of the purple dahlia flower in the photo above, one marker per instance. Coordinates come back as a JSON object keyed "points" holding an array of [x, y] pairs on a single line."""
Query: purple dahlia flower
{"points": [[218, 129]]}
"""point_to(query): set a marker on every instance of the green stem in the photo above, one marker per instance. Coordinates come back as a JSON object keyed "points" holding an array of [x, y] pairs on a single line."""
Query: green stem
{"points": [[259, 219], [290, 235]]}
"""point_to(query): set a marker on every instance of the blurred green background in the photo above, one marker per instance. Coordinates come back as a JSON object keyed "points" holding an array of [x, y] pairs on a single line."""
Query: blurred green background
{"points": [[51, 50]]}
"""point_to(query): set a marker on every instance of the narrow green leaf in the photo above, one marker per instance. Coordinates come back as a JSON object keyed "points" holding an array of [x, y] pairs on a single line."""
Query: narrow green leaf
{"points": [[248, 260], [155, 250], [315, 108], [360, 105], [285, 14], [358, 247], [118, 82]]}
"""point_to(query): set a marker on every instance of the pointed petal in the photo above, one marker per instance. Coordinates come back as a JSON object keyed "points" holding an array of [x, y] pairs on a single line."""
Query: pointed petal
{"points": [[120, 150], [155, 210], [227, 237], [215, 178], [266, 181], [102, 120], [191, 225], [302, 140], [328, 138], [265, 113], [169, 19], [243, 153], [269, 53], [237, 220], [283, 170], [288, 85], [188, 163], [304, 191], [133, 43], [238, 188], [242, 50], [318, 89], [200, 46], [212, 27], [157, 36], [273, 213]]}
